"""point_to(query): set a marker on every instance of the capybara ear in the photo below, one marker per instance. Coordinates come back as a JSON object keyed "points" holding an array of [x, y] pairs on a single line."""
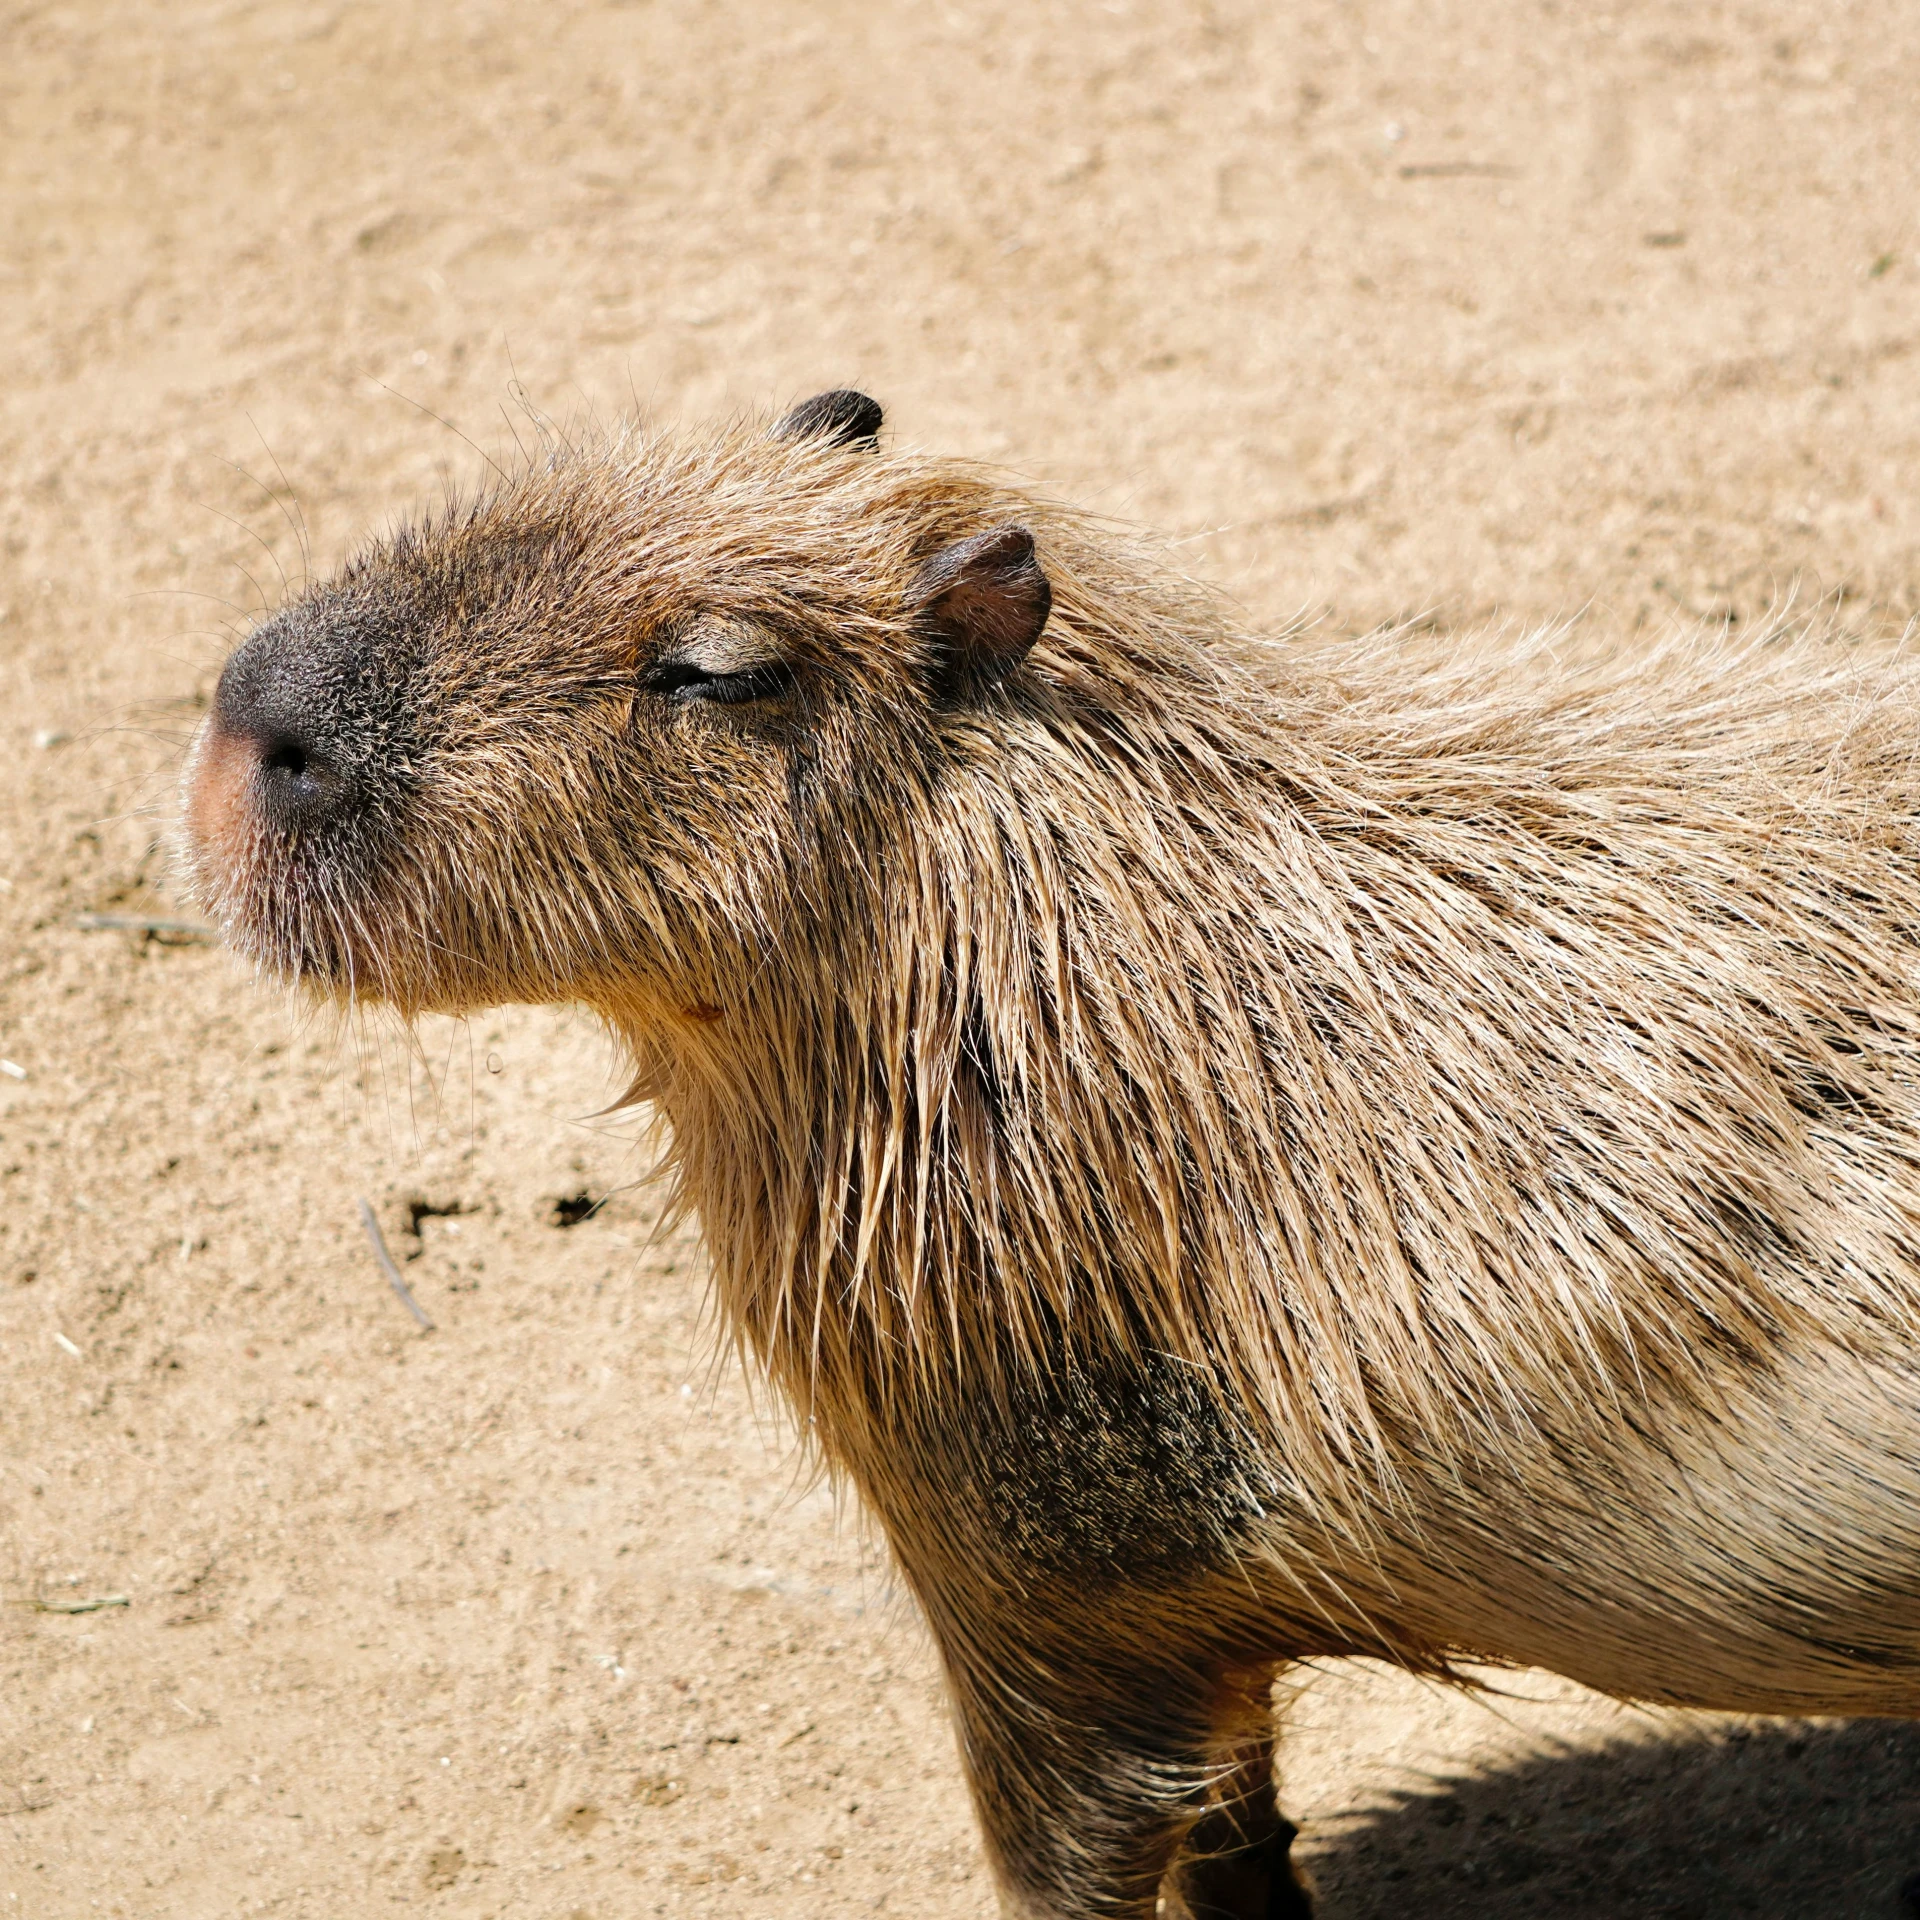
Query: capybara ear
{"points": [[842, 418], [988, 598]]}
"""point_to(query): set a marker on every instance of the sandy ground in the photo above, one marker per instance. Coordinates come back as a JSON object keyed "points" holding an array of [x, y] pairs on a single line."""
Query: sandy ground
{"points": [[1512, 309]]}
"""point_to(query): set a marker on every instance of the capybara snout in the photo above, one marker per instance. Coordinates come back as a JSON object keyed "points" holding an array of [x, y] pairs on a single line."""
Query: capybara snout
{"points": [[300, 784], [310, 710], [1237, 1154]]}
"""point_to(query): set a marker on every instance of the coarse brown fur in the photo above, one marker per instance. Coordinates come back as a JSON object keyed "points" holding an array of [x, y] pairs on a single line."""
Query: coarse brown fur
{"points": [[1236, 1154]]}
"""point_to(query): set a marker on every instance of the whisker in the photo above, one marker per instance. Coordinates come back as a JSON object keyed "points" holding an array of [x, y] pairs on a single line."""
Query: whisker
{"points": [[431, 415], [259, 539], [300, 526]]}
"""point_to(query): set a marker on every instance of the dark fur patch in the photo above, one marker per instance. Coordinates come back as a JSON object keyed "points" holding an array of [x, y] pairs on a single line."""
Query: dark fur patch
{"points": [[1112, 1469]]}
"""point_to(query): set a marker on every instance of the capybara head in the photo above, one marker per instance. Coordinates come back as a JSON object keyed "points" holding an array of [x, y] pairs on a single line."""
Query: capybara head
{"points": [[585, 736]]}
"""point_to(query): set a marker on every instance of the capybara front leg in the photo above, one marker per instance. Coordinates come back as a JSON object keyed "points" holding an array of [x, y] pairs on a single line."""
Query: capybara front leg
{"points": [[1077, 1827], [1237, 1862], [1085, 1801]]}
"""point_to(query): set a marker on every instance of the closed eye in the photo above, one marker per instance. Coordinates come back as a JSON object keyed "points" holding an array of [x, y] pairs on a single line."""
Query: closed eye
{"points": [[683, 680]]}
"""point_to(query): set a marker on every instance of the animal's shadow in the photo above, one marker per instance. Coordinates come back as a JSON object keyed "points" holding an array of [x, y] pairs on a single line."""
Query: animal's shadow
{"points": [[1766, 1821]]}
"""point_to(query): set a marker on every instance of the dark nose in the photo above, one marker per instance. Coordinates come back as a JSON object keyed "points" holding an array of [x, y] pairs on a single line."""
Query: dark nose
{"points": [[279, 697]]}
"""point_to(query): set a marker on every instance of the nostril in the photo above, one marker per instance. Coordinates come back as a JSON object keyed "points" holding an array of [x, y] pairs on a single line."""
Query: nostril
{"points": [[284, 756], [301, 785]]}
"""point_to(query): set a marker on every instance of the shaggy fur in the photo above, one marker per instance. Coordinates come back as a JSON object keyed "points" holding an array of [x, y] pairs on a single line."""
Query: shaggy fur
{"points": [[1237, 1154]]}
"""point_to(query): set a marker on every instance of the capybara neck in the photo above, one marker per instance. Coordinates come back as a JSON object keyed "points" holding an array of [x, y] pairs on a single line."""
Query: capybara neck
{"points": [[1166, 1004]]}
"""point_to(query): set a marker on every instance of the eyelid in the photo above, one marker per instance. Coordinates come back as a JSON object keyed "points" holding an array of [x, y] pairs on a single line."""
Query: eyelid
{"points": [[722, 662], [721, 647], [682, 680]]}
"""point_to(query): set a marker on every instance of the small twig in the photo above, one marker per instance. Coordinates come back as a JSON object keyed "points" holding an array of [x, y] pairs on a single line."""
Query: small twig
{"points": [[392, 1272], [194, 930], [82, 1606]]}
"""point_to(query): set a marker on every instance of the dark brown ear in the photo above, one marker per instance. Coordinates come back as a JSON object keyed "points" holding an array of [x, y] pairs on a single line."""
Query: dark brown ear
{"points": [[841, 418], [987, 598]]}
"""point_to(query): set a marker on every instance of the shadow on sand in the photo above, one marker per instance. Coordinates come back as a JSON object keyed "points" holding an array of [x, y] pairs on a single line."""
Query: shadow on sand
{"points": [[1767, 1821]]}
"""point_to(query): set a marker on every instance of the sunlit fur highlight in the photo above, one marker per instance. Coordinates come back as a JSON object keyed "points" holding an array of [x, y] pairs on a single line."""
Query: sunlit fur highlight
{"points": [[1490, 1082]]}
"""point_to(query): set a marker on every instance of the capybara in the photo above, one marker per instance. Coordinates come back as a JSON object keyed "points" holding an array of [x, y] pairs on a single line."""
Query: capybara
{"points": [[1237, 1153]]}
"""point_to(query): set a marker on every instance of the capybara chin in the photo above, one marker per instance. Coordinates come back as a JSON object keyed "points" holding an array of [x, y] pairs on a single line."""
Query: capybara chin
{"points": [[1237, 1158]]}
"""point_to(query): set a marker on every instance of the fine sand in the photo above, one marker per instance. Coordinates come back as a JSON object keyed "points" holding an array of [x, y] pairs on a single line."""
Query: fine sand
{"points": [[1512, 310]]}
